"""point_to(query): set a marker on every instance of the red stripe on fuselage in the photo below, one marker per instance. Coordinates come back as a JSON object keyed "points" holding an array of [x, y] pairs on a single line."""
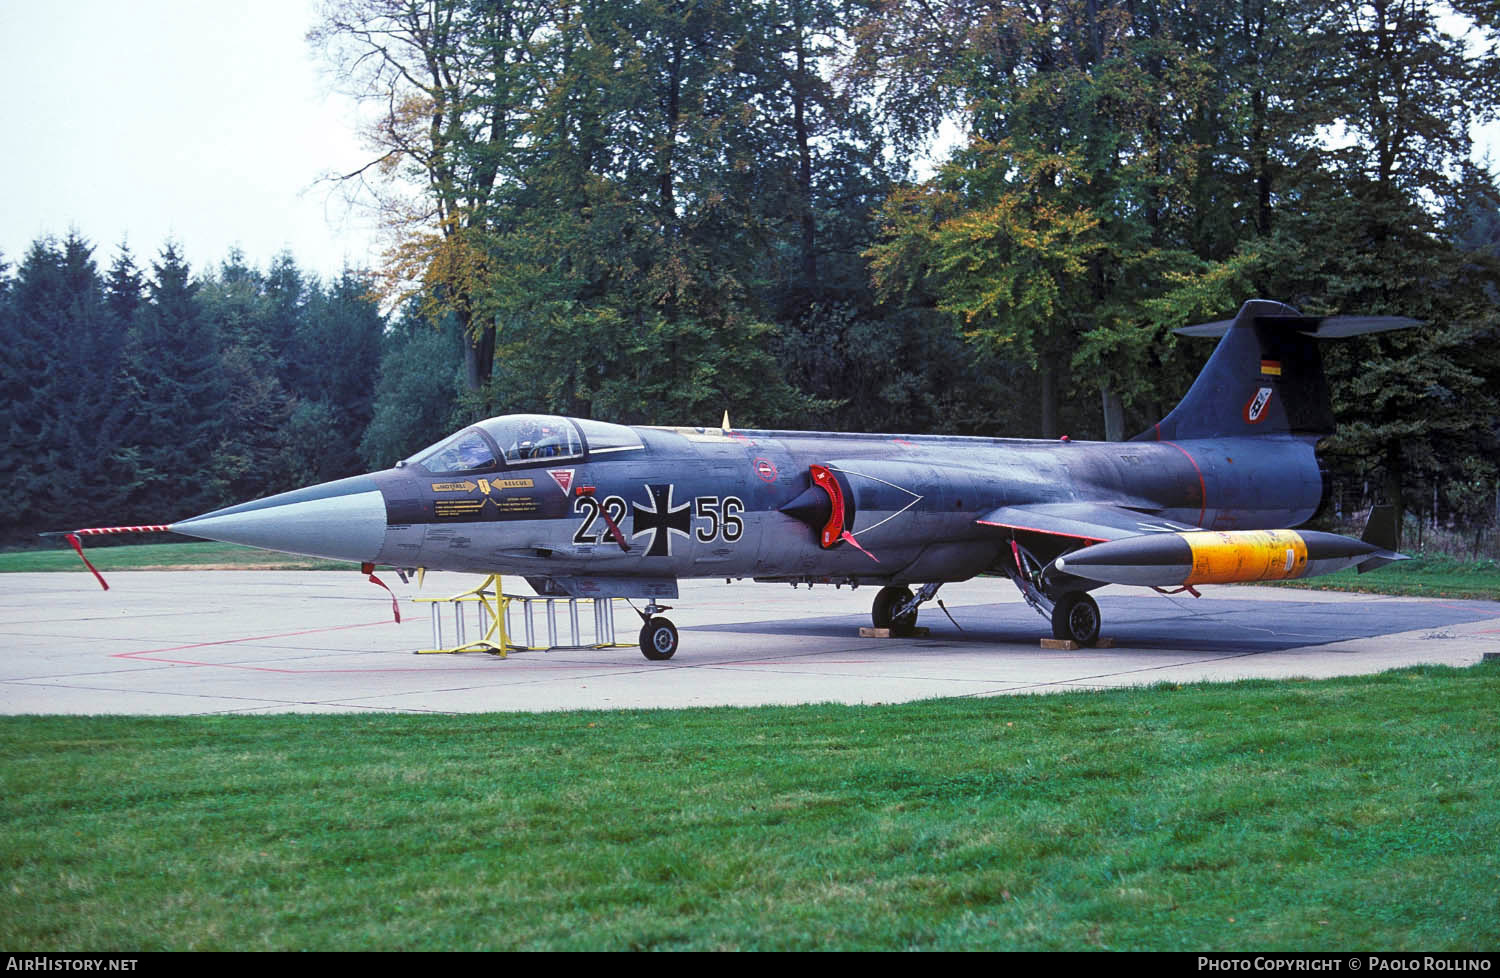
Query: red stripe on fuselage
{"points": [[1202, 488]]}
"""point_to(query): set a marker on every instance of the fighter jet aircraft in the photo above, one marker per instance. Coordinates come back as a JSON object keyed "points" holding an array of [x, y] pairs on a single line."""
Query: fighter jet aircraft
{"points": [[590, 509]]}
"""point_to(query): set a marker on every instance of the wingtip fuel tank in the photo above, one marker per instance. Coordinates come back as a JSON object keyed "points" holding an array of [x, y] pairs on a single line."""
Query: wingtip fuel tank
{"points": [[1218, 557]]}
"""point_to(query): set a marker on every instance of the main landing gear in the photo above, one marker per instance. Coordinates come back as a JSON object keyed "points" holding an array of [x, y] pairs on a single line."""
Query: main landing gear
{"points": [[896, 608], [1073, 613], [658, 635], [1075, 616]]}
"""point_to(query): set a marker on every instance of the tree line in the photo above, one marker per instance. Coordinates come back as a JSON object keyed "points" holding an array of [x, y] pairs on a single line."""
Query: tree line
{"points": [[137, 397], [649, 211]]}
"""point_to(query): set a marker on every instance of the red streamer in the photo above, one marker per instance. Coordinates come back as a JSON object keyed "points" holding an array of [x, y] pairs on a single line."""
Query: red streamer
{"points": [[395, 605], [849, 539], [73, 539]]}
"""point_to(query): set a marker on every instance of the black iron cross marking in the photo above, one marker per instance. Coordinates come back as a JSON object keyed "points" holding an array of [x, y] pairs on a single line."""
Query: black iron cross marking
{"points": [[660, 516]]}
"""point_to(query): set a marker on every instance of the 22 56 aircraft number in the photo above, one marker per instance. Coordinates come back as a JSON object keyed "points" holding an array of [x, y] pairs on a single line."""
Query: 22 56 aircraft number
{"points": [[720, 518]]}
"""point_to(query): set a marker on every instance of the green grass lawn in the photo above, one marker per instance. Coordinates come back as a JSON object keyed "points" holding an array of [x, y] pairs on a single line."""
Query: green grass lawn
{"points": [[1348, 813], [162, 556], [1433, 577]]}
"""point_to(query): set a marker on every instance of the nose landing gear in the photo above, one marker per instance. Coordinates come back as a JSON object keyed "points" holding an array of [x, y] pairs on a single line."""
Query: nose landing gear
{"points": [[658, 639], [658, 635]]}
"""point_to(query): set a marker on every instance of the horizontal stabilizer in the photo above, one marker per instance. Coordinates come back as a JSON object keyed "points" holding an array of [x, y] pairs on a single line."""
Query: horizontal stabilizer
{"points": [[1338, 327], [1323, 327], [1214, 330]]}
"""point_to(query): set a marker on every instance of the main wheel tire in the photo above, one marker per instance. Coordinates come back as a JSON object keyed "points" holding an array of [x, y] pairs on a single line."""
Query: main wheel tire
{"points": [[886, 602], [1076, 616], [659, 640]]}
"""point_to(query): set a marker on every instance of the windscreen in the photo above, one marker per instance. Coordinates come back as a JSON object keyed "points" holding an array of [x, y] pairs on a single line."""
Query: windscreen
{"points": [[467, 451]]}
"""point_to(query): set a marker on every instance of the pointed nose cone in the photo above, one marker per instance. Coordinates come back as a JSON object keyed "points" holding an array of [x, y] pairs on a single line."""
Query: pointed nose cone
{"points": [[343, 520]]}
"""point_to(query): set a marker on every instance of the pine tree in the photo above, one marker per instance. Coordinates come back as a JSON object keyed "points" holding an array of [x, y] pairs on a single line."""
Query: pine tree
{"points": [[249, 459], [124, 290], [286, 291], [28, 380], [337, 348], [415, 396], [178, 398], [60, 379]]}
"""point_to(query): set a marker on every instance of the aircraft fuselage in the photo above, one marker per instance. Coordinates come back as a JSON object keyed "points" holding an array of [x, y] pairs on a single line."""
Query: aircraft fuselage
{"points": [[590, 509], [694, 503]]}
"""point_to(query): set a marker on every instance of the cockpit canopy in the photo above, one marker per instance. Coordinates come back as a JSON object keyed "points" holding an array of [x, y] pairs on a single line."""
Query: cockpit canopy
{"points": [[518, 440]]}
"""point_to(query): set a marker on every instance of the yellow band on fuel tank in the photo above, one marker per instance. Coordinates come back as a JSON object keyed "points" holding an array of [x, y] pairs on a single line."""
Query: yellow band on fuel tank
{"points": [[1239, 556]]}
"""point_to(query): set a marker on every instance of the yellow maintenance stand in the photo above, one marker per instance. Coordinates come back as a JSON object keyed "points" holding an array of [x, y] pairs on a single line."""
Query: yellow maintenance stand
{"points": [[490, 610]]}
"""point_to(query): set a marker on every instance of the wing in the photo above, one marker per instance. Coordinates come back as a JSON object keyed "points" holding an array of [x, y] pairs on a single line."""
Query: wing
{"points": [[1087, 522]]}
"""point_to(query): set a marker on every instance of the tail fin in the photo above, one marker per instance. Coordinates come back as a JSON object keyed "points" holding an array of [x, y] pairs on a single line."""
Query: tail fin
{"points": [[1266, 375], [1380, 531]]}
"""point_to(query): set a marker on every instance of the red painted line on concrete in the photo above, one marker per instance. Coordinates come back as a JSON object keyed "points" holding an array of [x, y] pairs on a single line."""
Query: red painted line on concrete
{"points": [[154, 655], [795, 662]]}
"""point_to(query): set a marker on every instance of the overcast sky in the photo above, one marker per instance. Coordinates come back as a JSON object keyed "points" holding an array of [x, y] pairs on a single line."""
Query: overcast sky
{"points": [[203, 122]]}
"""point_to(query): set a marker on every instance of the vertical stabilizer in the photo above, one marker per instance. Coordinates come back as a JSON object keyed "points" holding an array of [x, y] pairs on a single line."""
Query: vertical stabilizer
{"points": [[1266, 375]]}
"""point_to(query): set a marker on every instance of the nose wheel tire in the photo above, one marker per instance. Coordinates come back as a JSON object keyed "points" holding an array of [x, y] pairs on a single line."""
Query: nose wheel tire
{"points": [[659, 640], [1076, 616], [886, 602]]}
